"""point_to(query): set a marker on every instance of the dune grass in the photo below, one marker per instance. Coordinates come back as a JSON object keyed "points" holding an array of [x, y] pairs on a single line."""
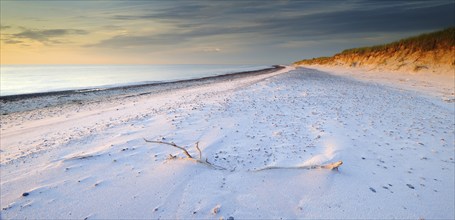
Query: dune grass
{"points": [[444, 39], [424, 42]]}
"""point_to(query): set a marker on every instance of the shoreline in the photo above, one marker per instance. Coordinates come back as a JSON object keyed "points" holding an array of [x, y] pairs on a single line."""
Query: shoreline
{"points": [[28, 102], [96, 89]]}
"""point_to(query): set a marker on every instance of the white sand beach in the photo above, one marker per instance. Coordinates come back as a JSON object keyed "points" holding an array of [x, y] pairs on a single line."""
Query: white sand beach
{"points": [[87, 159]]}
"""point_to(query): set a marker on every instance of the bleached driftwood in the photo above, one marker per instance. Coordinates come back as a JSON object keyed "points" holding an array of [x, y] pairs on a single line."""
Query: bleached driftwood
{"points": [[171, 144], [188, 155], [330, 166]]}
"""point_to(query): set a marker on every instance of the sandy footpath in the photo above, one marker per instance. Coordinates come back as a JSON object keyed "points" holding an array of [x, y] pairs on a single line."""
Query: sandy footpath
{"points": [[87, 159]]}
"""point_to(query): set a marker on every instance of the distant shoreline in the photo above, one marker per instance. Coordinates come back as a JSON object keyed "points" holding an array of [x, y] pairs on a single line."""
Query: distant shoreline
{"points": [[97, 89], [32, 101]]}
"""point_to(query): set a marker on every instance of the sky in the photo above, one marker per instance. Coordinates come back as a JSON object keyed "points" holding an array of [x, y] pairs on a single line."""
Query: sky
{"points": [[206, 32]]}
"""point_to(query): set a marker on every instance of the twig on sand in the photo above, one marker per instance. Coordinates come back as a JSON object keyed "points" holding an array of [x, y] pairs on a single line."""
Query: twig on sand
{"points": [[330, 166], [83, 157], [200, 153], [171, 144], [188, 155]]}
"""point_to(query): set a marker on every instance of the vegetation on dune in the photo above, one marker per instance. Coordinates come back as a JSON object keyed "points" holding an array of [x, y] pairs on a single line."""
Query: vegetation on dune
{"points": [[319, 60], [439, 40], [424, 42]]}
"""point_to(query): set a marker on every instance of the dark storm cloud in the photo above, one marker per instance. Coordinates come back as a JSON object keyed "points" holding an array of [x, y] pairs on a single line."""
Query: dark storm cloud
{"points": [[354, 16], [360, 20], [285, 20], [192, 11], [43, 36]]}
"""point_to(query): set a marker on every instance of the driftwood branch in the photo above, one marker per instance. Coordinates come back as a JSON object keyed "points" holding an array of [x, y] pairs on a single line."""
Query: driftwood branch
{"points": [[330, 166], [207, 163], [200, 153], [189, 157], [171, 144]]}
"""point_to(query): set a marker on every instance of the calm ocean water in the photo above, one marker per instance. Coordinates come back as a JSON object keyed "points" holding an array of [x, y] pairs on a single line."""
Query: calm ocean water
{"points": [[26, 79]]}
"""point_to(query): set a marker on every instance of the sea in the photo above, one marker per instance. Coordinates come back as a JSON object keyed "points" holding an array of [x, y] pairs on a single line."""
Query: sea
{"points": [[28, 79]]}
